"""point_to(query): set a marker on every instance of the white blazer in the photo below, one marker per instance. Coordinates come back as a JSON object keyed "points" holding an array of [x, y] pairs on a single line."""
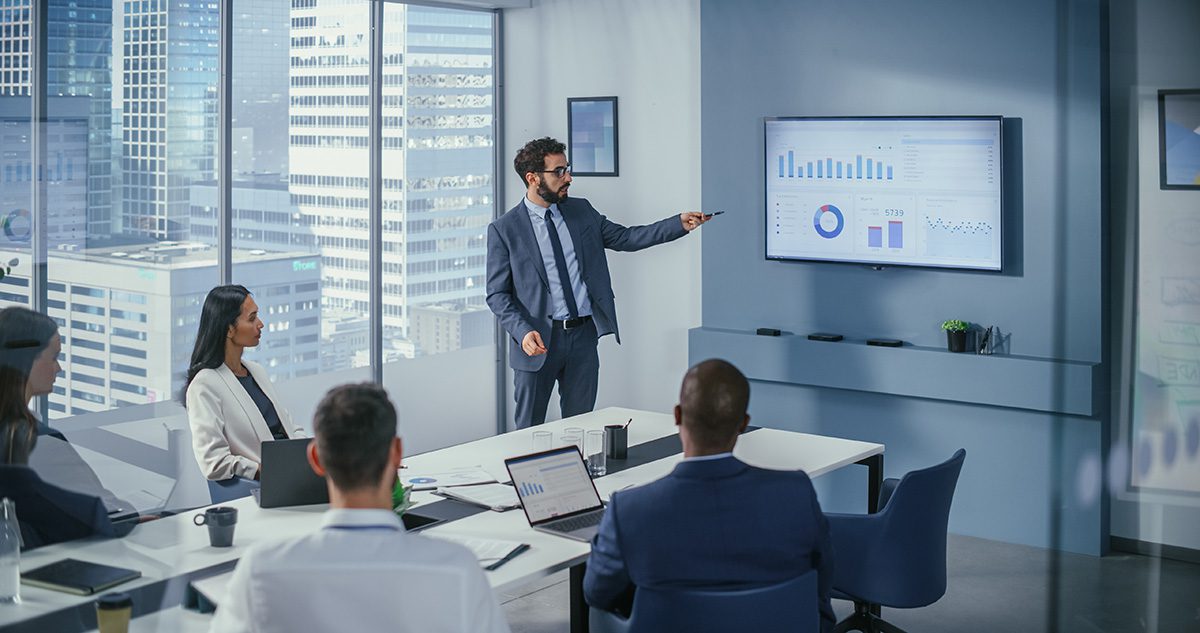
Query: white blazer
{"points": [[227, 427]]}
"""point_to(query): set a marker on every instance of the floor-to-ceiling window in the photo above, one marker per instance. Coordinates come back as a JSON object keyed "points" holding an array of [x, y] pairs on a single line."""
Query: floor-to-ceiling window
{"points": [[126, 173]]}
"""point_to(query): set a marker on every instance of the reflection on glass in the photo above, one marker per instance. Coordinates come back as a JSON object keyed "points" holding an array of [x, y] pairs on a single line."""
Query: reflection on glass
{"points": [[439, 133], [300, 163]]}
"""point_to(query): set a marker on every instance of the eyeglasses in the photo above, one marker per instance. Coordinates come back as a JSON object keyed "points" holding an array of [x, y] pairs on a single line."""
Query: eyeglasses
{"points": [[557, 171]]}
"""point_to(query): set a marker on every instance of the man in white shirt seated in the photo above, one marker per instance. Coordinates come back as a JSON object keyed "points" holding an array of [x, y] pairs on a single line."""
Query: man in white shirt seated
{"points": [[361, 571]]}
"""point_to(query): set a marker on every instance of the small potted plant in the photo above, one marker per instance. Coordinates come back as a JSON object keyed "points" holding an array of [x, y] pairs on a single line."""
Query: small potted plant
{"points": [[956, 334], [401, 497]]}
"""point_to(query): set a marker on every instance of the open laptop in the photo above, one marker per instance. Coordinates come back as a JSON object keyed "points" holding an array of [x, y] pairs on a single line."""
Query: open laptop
{"points": [[287, 479], [557, 493]]}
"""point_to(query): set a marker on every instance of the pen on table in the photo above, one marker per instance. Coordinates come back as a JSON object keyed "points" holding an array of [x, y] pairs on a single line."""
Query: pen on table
{"points": [[517, 551]]}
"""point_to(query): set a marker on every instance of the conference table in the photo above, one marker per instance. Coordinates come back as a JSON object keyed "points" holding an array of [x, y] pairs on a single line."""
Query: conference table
{"points": [[172, 552]]}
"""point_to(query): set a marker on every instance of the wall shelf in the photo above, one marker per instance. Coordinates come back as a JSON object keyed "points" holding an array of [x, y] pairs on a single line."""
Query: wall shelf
{"points": [[1018, 382]]}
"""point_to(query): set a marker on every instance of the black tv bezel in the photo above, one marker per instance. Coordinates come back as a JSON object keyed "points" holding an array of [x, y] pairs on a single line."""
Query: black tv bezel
{"points": [[999, 119]]}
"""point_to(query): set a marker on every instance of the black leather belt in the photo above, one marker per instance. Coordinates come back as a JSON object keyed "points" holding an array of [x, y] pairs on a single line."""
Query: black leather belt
{"points": [[570, 324]]}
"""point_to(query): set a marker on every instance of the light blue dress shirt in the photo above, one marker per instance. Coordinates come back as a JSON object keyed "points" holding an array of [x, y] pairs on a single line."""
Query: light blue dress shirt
{"points": [[537, 215], [706, 458]]}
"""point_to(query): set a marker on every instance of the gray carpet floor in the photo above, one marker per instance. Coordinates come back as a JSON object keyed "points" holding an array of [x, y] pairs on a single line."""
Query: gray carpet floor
{"points": [[993, 586]]}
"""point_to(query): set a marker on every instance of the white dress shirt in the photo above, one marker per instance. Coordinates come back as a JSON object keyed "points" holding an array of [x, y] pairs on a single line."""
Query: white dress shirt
{"points": [[360, 572]]}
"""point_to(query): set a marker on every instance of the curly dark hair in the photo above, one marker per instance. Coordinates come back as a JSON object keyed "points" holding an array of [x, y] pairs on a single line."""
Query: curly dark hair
{"points": [[532, 157]]}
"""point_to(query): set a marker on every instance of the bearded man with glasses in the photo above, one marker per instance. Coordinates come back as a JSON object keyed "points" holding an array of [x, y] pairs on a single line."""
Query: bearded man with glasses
{"points": [[549, 286]]}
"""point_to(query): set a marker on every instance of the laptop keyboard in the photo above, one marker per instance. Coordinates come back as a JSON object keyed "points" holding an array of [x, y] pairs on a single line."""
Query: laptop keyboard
{"points": [[571, 524]]}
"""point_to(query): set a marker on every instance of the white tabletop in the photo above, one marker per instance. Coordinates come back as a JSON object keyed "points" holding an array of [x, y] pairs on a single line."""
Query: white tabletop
{"points": [[174, 545]]}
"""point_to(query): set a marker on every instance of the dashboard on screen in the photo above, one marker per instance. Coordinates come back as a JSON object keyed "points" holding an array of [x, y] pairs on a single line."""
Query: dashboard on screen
{"points": [[913, 191]]}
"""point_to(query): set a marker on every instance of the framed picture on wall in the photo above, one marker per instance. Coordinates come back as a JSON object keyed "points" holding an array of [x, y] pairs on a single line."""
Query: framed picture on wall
{"points": [[592, 136], [1179, 139]]}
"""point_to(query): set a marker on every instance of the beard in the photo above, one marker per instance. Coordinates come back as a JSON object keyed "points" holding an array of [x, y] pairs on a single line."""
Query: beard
{"points": [[550, 195]]}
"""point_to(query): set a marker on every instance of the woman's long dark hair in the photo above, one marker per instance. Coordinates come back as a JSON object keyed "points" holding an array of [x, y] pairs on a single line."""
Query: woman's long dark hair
{"points": [[222, 307], [24, 335]]}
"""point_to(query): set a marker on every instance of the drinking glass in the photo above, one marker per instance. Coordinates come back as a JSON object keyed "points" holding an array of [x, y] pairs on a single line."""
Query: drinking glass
{"points": [[593, 449]]}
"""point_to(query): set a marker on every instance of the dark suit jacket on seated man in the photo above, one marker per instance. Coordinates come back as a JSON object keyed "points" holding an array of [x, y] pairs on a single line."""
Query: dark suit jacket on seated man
{"points": [[714, 522], [549, 286]]}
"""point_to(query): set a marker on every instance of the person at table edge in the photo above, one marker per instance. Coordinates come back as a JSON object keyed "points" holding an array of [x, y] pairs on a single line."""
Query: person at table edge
{"points": [[232, 406], [361, 571], [715, 522]]}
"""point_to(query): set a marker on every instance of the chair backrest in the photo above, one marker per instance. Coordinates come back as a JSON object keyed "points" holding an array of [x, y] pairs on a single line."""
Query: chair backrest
{"points": [[788, 606], [908, 561]]}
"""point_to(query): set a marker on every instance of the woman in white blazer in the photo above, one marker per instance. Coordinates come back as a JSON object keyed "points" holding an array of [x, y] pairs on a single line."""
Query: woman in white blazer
{"points": [[232, 407]]}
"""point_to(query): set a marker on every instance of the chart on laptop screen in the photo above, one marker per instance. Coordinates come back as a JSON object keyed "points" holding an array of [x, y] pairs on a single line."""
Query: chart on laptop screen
{"points": [[553, 484]]}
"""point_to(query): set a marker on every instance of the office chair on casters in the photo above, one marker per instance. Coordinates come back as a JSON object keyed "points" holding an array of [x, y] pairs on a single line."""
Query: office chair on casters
{"points": [[790, 606], [897, 556]]}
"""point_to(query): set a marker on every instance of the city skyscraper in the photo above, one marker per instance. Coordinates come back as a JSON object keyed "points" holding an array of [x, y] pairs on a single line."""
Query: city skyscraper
{"points": [[169, 112], [437, 143], [79, 65], [260, 89]]}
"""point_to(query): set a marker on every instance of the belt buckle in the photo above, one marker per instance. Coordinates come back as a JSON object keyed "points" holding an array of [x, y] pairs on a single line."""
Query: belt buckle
{"points": [[571, 324]]}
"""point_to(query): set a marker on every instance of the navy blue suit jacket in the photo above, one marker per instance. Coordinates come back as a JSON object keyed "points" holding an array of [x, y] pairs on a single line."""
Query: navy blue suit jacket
{"points": [[49, 514], [713, 524], [518, 291]]}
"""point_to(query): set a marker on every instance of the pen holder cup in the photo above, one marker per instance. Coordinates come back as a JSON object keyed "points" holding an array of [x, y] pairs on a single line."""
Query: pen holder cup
{"points": [[616, 441]]}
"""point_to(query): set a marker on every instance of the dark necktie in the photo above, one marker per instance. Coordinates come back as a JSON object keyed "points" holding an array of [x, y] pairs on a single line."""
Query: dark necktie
{"points": [[560, 262]]}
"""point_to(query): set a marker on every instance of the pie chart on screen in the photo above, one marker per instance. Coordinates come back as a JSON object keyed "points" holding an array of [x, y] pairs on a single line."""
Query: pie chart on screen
{"points": [[828, 221]]}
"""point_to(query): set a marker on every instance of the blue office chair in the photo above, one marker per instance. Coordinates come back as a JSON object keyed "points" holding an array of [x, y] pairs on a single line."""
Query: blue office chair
{"points": [[789, 606], [896, 557], [226, 490]]}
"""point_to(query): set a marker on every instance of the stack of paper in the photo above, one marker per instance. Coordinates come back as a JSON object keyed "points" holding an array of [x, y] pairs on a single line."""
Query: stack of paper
{"points": [[468, 476], [496, 497], [487, 551]]}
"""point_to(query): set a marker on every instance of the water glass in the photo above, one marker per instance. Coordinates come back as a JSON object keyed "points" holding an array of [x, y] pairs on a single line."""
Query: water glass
{"points": [[572, 437], [593, 449], [542, 441]]}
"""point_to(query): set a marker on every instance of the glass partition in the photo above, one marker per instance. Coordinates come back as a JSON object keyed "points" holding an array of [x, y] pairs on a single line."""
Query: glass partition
{"points": [[439, 130], [129, 169]]}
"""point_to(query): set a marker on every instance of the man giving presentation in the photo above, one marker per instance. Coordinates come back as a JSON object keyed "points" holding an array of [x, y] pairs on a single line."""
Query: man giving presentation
{"points": [[548, 282]]}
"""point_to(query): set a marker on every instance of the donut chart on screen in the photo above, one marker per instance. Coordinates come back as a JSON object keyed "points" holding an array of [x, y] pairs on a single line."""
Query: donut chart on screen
{"points": [[836, 230]]}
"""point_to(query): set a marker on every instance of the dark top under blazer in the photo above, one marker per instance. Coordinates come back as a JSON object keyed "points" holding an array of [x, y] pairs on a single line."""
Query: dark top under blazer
{"points": [[711, 524], [518, 291]]}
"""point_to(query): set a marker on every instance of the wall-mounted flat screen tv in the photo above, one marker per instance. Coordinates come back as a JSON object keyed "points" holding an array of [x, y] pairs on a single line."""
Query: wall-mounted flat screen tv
{"points": [[895, 191]]}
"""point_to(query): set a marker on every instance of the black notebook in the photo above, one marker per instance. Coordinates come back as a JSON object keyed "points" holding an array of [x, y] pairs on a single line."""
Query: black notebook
{"points": [[78, 576]]}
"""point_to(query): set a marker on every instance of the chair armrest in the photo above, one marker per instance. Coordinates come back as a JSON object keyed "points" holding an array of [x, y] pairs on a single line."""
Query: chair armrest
{"points": [[854, 539]]}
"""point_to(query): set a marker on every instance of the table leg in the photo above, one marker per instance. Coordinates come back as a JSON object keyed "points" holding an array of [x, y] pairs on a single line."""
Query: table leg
{"points": [[579, 607], [874, 466]]}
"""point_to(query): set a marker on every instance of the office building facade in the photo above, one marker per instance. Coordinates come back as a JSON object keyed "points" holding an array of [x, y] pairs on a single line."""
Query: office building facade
{"points": [[128, 317], [79, 68], [169, 112]]}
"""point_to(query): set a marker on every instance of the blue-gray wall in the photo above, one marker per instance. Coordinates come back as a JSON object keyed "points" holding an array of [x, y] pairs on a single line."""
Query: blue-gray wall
{"points": [[1037, 63]]}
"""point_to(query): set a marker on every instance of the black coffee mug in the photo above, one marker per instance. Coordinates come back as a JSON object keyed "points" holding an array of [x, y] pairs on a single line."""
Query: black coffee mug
{"points": [[220, 521], [616, 441]]}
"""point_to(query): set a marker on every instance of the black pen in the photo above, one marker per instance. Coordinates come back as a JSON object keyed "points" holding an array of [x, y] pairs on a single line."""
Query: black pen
{"points": [[517, 551]]}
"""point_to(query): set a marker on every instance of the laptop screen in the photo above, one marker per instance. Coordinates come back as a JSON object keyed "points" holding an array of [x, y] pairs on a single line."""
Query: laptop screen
{"points": [[553, 483]]}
